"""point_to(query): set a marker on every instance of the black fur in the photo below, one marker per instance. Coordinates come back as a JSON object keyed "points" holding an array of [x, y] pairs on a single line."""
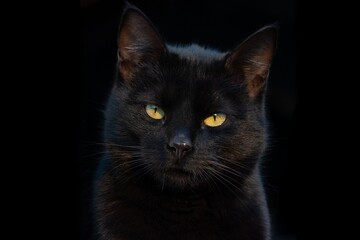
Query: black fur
{"points": [[216, 190]]}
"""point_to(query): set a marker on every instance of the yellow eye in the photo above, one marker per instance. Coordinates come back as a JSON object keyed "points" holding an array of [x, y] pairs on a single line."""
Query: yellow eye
{"points": [[154, 111], [215, 120]]}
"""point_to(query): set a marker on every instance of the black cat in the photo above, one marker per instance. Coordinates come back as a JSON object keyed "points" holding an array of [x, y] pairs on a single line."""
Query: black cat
{"points": [[184, 135]]}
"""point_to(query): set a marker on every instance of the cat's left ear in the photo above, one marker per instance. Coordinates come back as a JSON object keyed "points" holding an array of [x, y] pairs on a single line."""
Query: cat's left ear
{"points": [[250, 61]]}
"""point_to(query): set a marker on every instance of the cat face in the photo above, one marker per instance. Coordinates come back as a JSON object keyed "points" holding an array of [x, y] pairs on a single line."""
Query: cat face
{"points": [[186, 117]]}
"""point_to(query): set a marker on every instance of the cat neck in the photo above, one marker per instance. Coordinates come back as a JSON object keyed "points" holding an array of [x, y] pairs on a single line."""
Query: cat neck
{"points": [[165, 211], [148, 194]]}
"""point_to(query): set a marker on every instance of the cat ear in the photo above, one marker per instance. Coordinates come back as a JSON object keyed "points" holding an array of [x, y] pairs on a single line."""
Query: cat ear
{"points": [[138, 40], [250, 61]]}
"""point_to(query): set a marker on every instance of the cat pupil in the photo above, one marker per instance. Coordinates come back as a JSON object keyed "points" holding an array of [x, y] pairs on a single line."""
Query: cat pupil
{"points": [[214, 117]]}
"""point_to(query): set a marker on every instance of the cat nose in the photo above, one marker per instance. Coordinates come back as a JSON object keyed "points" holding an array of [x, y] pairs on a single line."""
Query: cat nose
{"points": [[179, 149], [180, 144]]}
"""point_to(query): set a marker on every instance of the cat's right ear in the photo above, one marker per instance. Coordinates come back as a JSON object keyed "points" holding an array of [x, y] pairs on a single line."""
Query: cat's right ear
{"points": [[138, 41]]}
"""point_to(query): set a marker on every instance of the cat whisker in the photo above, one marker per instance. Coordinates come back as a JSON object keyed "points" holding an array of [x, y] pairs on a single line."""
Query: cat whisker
{"points": [[125, 180], [226, 169], [215, 175], [143, 172], [124, 146], [131, 163], [94, 154], [223, 177], [114, 144], [205, 177], [231, 162]]}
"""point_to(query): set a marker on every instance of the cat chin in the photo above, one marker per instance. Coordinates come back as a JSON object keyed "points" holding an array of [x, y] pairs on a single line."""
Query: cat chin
{"points": [[178, 173], [178, 179]]}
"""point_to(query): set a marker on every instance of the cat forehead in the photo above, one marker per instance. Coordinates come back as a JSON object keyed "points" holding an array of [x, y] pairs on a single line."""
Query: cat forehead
{"points": [[196, 53]]}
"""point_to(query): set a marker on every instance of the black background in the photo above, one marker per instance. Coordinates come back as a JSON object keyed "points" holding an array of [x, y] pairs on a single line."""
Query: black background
{"points": [[219, 24]]}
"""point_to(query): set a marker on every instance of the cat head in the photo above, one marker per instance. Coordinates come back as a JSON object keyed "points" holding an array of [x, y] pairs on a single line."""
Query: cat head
{"points": [[185, 117]]}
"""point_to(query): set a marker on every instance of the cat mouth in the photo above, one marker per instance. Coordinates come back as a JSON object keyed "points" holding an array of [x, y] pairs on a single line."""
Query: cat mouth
{"points": [[178, 172], [178, 178]]}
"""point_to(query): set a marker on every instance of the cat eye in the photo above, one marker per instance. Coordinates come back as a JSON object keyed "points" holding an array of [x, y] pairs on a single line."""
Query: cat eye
{"points": [[154, 112], [215, 120]]}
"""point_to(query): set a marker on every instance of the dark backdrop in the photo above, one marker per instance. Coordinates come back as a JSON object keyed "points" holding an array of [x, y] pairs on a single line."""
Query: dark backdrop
{"points": [[219, 24]]}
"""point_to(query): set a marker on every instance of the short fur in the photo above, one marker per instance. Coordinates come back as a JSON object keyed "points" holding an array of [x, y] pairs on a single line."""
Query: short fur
{"points": [[215, 190]]}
